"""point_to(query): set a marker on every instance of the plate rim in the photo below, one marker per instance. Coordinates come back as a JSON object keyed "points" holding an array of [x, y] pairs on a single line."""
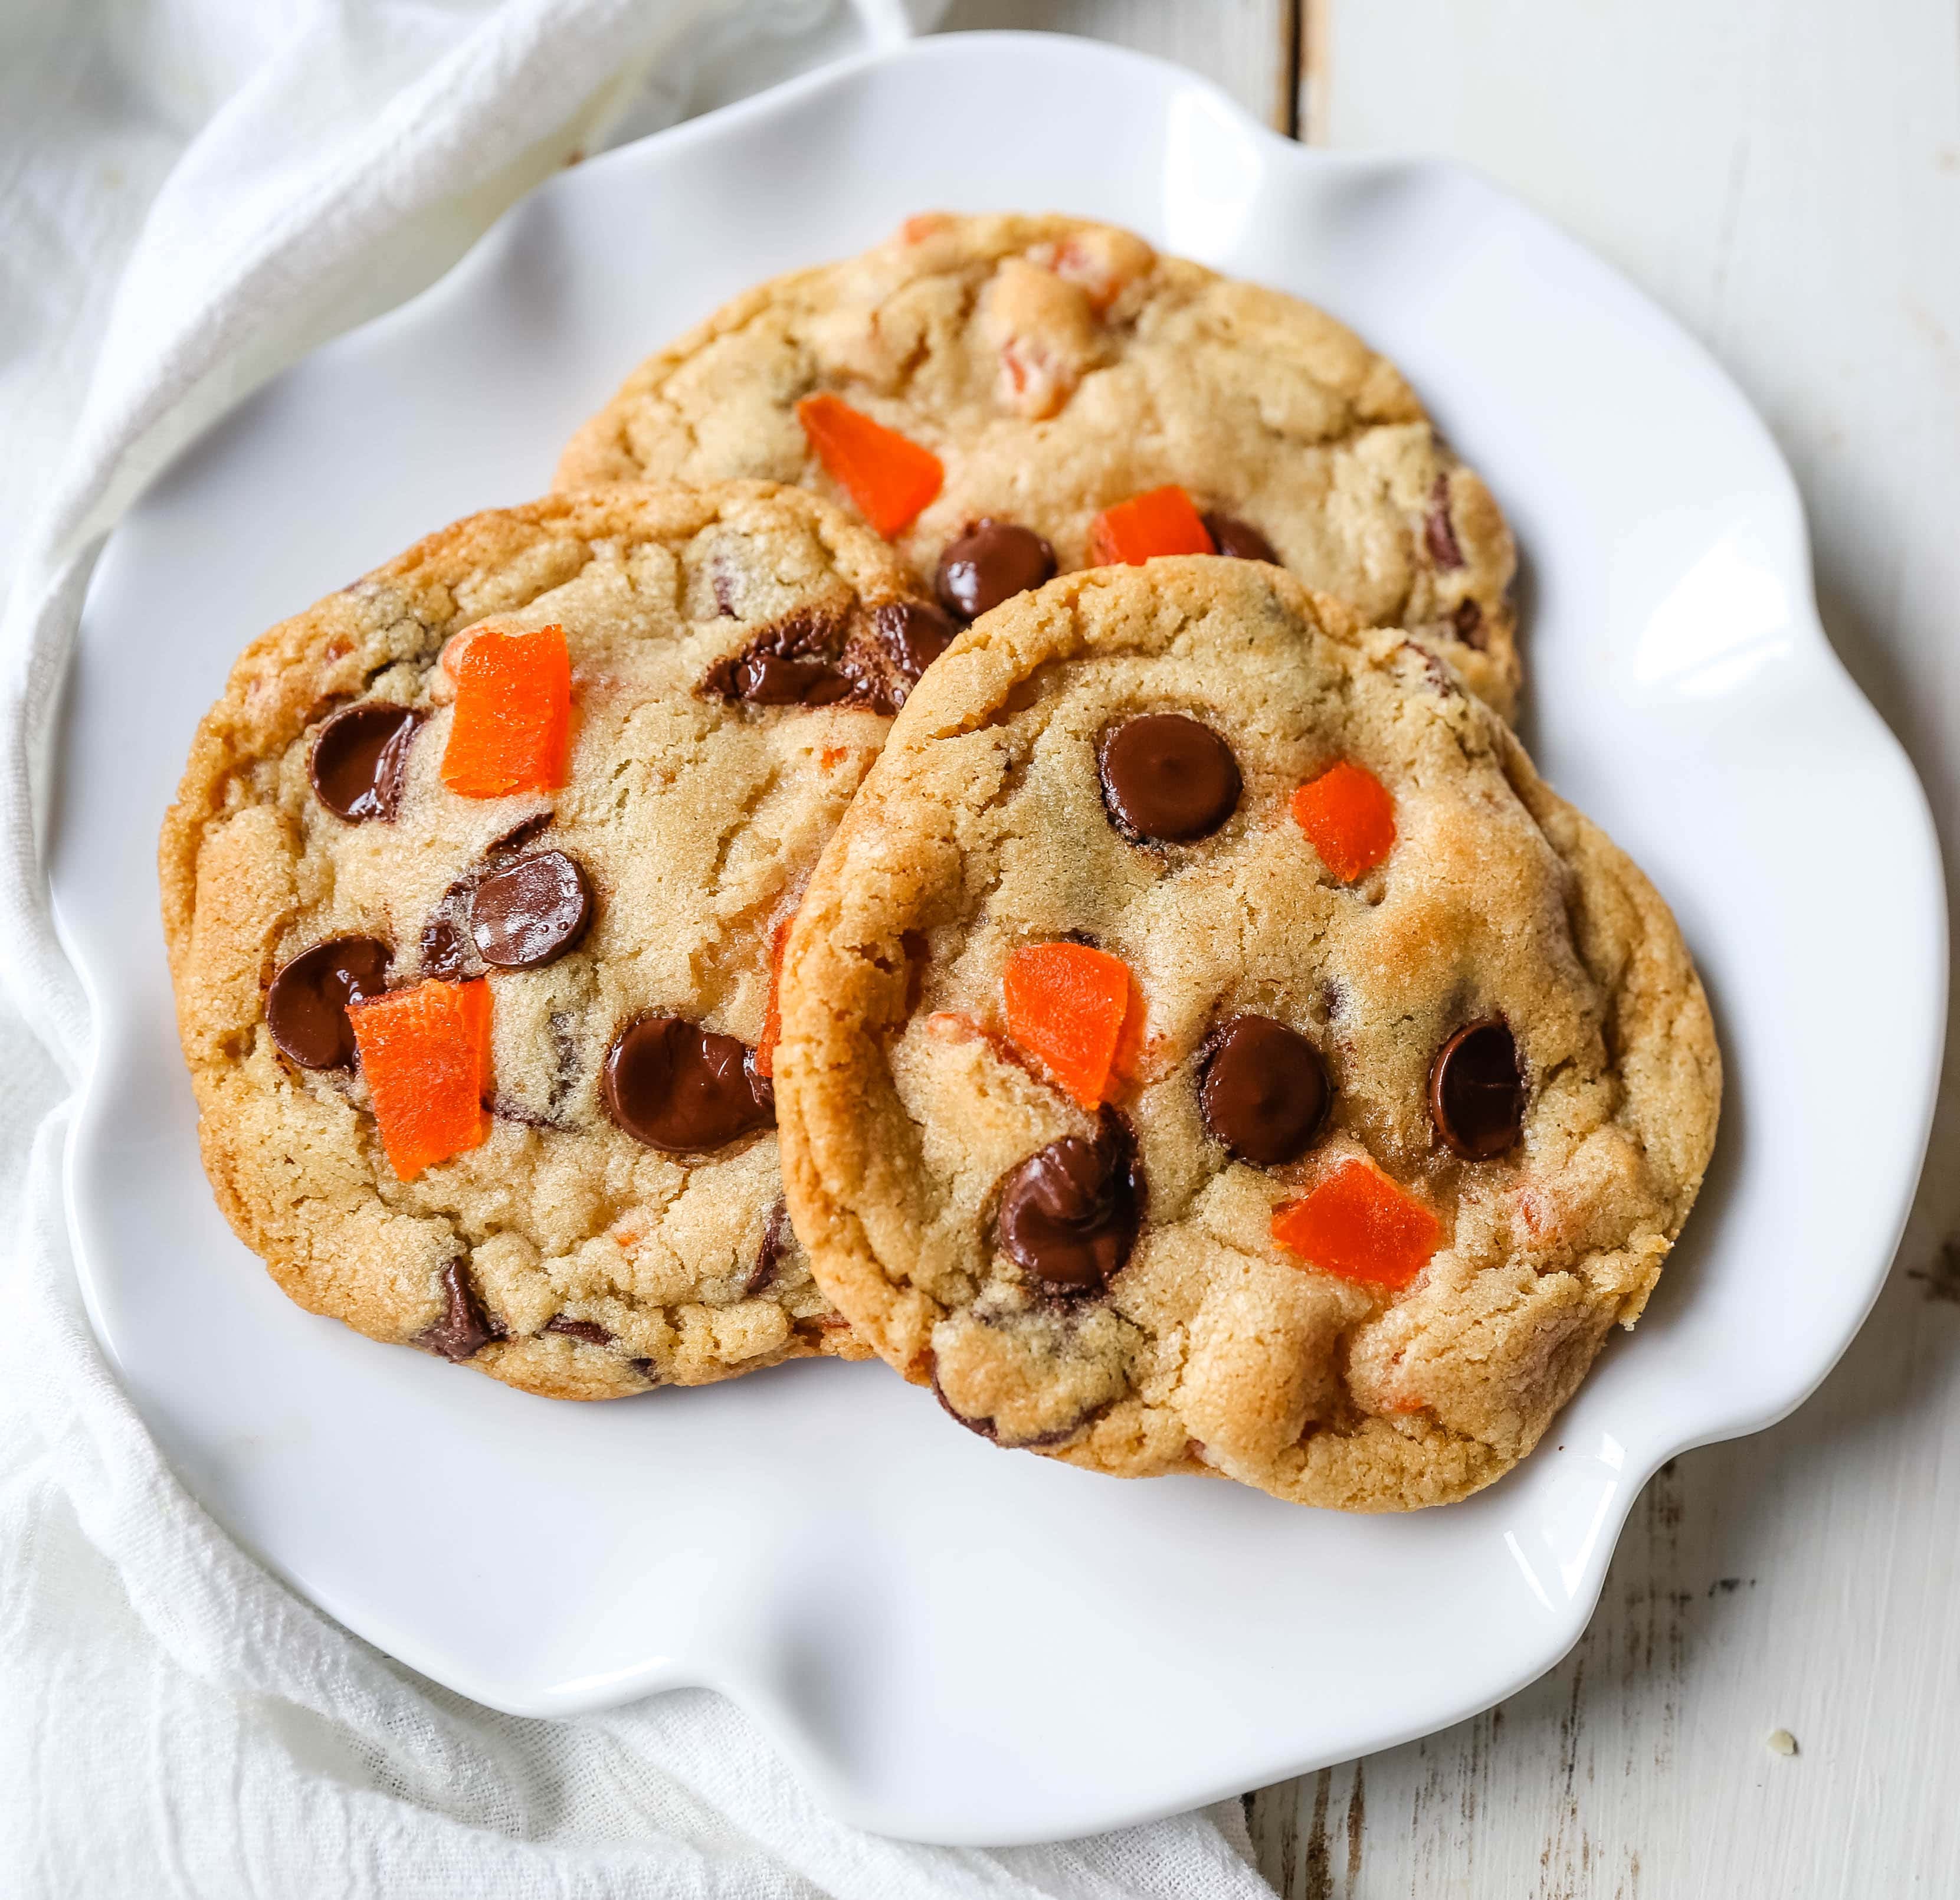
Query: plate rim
{"points": [[1847, 700]]}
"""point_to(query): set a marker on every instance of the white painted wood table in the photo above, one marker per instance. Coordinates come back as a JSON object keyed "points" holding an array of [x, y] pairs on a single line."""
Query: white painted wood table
{"points": [[1784, 175]]}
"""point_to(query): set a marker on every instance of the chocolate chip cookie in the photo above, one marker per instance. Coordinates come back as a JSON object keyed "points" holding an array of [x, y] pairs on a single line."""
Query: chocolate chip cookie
{"points": [[474, 890], [1208, 1045], [988, 391]]}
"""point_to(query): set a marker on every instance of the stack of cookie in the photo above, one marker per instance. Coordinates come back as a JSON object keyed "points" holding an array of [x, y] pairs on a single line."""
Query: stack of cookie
{"points": [[979, 825]]}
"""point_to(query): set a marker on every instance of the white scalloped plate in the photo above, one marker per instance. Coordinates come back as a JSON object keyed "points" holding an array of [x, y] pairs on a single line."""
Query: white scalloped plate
{"points": [[952, 1643]]}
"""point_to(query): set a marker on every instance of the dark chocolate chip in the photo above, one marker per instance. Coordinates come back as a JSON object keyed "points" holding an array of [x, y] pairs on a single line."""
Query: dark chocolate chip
{"points": [[1069, 1213], [520, 834], [1476, 1091], [1240, 539], [683, 1089], [1167, 779], [1264, 1093], [305, 1007], [1438, 530], [825, 658], [914, 634], [465, 1328], [991, 561], [592, 1334], [531, 912], [360, 757], [1469, 622], [769, 1254]]}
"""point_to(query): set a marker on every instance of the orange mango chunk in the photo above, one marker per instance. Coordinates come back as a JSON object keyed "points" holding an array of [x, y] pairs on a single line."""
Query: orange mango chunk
{"points": [[1349, 819], [1358, 1225], [425, 1052], [1066, 1006], [888, 475], [1163, 521], [512, 730], [772, 1016]]}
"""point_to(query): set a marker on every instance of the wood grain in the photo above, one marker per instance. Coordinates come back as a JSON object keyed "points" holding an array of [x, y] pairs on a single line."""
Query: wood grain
{"points": [[1785, 175]]}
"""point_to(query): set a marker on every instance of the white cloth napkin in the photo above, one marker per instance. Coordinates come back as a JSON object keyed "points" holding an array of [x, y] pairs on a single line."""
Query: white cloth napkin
{"points": [[192, 193]]}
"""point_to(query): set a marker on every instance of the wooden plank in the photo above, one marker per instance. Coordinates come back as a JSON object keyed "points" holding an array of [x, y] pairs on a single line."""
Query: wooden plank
{"points": [[1246, 46], [1785, 174]]}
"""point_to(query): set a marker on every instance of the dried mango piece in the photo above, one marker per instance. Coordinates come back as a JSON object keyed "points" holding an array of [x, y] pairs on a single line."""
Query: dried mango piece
{"points": [[772, 1017], [512, 730], [888, 475], [1163, 521], [1358, 1225], [1349, 819], [1066, 1004], [425, 1053]]}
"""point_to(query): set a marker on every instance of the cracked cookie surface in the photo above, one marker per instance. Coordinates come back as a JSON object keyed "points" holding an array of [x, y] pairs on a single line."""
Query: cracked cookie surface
{"points": [[1058, 367], [730, 680], [1308, 1116]]}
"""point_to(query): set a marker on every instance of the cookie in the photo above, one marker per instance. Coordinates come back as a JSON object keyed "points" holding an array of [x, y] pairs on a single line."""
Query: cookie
{"points": [[1208, 1045], [473, 891], [1053, 370]]}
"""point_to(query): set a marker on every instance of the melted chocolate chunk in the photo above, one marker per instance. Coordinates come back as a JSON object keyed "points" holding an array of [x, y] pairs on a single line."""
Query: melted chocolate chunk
{"points": [[1438, 531], [1476, 1091], [990, 561], [774, 680], [683, 1089], [1167, 779], [1264, 1091], [1469, 622], [360, 757], [1440, 679], [465, 1328], [769, 1254], [1069, 1213], [448, 955], [592, 1334], [1240, 539], [531, 912], [914, 635], [305, 1007]]}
